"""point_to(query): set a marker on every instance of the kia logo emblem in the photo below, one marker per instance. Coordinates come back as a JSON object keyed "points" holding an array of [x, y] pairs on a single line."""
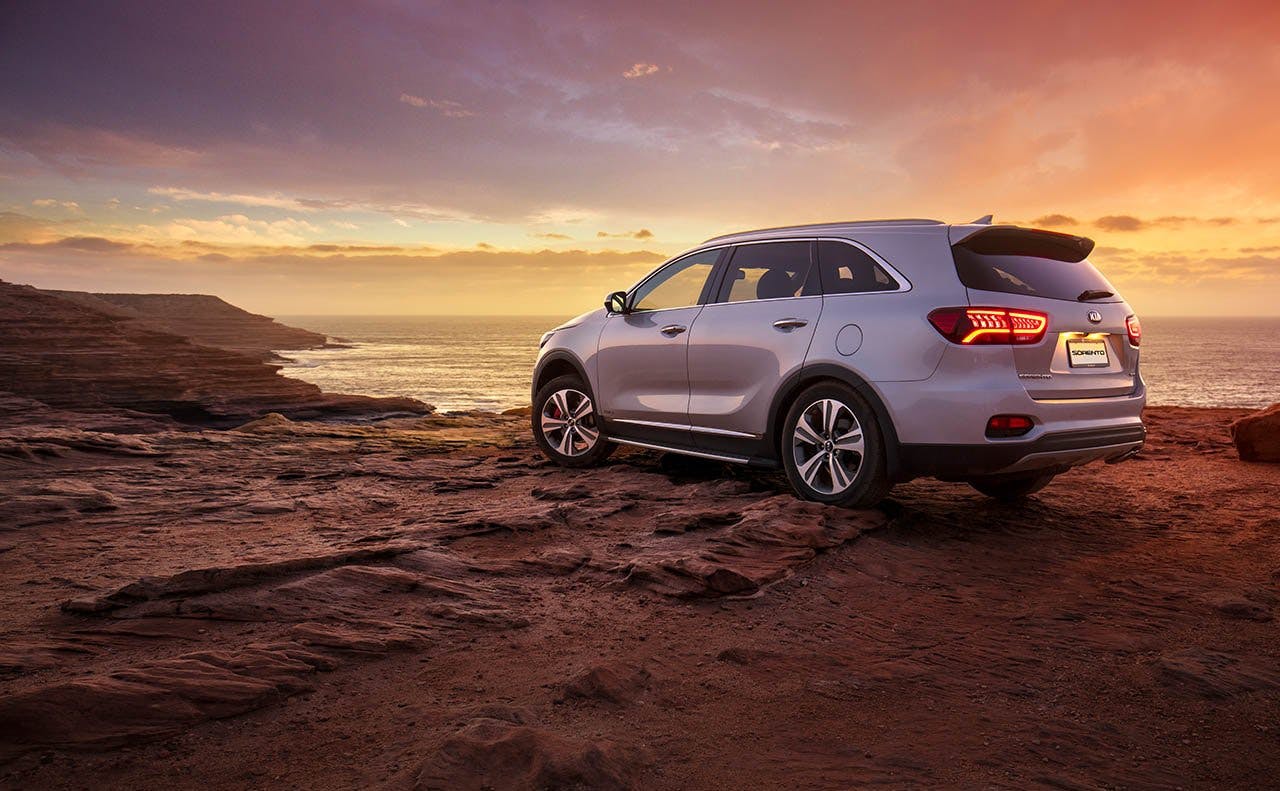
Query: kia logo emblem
{"points": [[1095, 317]]}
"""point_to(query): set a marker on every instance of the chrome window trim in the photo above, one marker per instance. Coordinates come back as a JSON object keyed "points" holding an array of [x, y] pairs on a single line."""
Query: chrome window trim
{"points": [[677, 427], [772, 299], [652, 312]]}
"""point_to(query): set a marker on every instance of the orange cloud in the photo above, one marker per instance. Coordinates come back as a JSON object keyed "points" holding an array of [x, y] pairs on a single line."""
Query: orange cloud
{"points": [[643, 233], [1120, 223], [641, 70], [1054, 221]]}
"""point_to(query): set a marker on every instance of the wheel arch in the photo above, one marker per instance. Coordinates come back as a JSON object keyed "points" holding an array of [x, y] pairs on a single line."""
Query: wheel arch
{"points": [[557, 363], [825, 372]]}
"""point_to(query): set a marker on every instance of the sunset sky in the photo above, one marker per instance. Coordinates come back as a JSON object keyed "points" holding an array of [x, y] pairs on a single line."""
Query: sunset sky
{"points": [[420, 157]]}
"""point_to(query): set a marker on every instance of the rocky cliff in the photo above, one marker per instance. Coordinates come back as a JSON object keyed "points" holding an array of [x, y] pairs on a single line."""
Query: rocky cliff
{"points": [[205, 319], [72, 354]]}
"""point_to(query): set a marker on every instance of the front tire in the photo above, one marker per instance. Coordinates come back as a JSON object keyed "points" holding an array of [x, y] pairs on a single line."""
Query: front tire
{"points": [[1011, 488], [566, 425], [832, 448]]}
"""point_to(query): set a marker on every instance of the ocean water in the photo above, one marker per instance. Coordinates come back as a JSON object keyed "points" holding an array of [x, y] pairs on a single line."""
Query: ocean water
{"points": [[1211, 361], [484, 362], [454, 362]]}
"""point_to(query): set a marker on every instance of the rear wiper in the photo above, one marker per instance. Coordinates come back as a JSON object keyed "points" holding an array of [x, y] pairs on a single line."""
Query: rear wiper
{"points": [[1085, 296]]}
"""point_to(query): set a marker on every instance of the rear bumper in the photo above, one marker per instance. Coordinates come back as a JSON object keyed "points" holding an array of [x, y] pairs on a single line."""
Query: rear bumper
{"points": [[941, 422], [1053, 450]]}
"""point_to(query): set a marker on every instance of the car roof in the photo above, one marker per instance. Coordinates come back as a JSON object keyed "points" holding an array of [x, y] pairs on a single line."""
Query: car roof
{"points": [[834, 228]]}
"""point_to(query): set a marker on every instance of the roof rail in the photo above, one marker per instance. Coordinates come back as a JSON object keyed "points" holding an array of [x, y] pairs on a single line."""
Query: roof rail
{"points": [[835, 224]]}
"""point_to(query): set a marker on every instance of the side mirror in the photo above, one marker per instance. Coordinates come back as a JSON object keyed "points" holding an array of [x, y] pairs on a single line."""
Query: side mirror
{"points": [[616, 302]]}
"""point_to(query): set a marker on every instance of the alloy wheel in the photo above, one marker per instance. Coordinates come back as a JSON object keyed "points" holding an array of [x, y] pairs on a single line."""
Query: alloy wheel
{"points": [[828, 446], [568, 422]]}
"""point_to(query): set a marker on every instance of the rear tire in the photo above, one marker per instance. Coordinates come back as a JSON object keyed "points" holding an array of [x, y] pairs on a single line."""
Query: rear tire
{"points": [[1011, 488], [832, 448], [566, 425]]}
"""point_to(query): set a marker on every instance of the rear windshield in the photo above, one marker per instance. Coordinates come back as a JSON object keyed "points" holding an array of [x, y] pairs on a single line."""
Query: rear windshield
{"points": [[1024, 264]]}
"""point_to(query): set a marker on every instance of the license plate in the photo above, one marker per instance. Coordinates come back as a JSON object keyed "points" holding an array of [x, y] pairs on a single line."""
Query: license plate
{"points": [[1087, 354]]}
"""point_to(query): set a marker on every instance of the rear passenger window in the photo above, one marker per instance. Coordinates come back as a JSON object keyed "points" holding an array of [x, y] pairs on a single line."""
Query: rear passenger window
{"points": [[847, 269], [773, 270]]}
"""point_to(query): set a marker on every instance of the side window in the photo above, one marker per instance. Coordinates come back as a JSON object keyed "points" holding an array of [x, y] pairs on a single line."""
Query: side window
{"points": [[678, 284], [849, 270], [767, 271]]}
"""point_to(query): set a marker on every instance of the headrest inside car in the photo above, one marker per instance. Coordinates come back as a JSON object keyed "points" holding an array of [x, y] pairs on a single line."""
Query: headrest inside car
{"points": [[774, 284]]}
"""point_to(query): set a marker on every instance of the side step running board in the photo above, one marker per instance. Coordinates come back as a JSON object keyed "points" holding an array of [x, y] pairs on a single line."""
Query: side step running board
{"points": [[696, 453]]}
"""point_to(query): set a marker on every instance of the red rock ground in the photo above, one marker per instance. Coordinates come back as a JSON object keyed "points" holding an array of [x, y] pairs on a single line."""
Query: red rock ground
{"points": [[426, 604]]}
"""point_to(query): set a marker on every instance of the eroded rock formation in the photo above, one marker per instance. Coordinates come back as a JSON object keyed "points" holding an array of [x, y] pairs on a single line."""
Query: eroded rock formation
{"points": [[205, 319], [74, 356], [1257, 436]]}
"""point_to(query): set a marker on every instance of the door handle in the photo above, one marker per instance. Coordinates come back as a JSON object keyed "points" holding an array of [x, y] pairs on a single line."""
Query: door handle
{"points": [[673, 329], [786, 324]]}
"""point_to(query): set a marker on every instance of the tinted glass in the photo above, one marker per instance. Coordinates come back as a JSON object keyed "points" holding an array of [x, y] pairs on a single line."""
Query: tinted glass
{"points": [[1030, 262], [849, 270], [679, 284], [1029, 275], [766, 271]]}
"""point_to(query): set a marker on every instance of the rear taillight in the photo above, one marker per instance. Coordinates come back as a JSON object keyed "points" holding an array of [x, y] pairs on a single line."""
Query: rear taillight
{"points": [[1134, 327], [972, 326], [1008, 426]]}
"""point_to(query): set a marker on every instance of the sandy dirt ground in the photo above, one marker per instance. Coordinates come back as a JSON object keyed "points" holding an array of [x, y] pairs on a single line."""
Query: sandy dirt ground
{"points": [[426, 604]]}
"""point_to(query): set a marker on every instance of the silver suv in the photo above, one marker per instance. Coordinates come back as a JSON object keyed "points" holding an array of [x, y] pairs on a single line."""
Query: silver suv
{"points": [[855, 356]]}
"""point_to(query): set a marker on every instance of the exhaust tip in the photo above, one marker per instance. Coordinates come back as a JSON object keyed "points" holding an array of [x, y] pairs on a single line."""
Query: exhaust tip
{"points": [[1128, 454]]}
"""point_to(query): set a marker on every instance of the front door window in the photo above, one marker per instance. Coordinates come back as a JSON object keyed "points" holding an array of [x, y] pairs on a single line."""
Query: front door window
{"points": [[677, 285]]}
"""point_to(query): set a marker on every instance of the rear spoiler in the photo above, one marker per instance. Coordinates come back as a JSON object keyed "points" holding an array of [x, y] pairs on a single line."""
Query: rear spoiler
{"points": [[1012, 240]]}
